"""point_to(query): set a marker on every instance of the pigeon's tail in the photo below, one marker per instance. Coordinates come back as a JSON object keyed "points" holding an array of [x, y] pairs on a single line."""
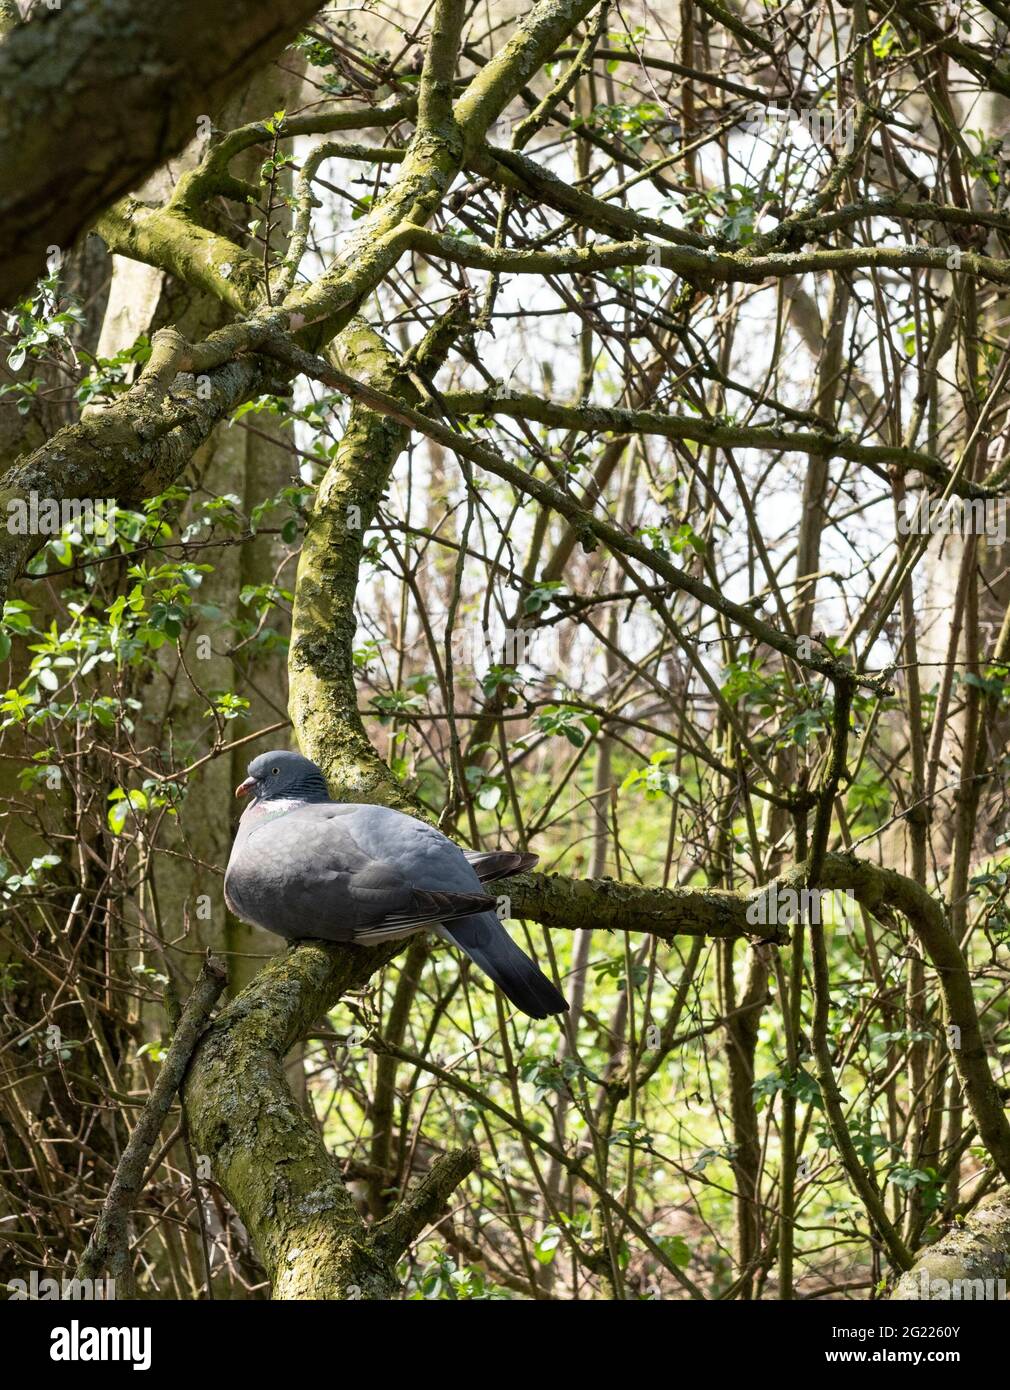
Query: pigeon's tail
{"points": [[489, 946]]}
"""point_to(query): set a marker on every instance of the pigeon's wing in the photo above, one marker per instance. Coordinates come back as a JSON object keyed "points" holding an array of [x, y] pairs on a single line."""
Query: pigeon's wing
{"points": [[306, 874], [425, 857], [429, 910], [491, 864]]}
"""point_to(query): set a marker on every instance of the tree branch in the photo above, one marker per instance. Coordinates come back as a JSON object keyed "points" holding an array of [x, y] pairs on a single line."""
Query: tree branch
{"points": [[109, 1246], [423, 1202], [267, 1154], [977, 1251]]}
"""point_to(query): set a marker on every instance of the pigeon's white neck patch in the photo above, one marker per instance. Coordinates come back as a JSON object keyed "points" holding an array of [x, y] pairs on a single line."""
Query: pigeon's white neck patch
{"points": [[270, 810]]}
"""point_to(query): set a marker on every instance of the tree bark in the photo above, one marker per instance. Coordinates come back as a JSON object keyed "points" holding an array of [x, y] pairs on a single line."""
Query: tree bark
{"points": [[70, 151], [269, 1157], [978, 1250]]}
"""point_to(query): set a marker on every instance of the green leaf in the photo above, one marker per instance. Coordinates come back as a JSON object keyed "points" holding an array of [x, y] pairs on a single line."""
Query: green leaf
{"points": [[676, 1250], [122, 801], [547, 1246]]}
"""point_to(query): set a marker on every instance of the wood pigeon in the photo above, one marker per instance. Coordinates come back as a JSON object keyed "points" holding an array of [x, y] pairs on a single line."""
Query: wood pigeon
{"points": [[305, 866]]}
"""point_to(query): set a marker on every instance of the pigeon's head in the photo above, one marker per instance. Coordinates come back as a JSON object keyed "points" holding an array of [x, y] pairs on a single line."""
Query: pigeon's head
{"points": [[283, 776]]}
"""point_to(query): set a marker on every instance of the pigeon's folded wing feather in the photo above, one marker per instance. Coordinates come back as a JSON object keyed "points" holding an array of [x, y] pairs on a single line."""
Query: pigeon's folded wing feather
{"points": [[491, 864]]}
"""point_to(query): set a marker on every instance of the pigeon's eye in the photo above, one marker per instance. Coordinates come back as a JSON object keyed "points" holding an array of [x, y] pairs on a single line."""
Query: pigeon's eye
{"points": [[275, 770]]}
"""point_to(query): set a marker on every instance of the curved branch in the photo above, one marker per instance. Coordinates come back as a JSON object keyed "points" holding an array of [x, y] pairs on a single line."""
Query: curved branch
{"points": [[879, 888], [323, 698], [692, 912], [423, 1202]]}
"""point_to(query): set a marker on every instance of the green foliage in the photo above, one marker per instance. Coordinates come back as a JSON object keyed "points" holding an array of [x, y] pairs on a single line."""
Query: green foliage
{"points": [[541, 596], [128, 805], [656, 780], [108, 377], [38, 327], [728, 212], [798, 1083], [441, 1280], [486, 789], [547, 1075], [632, 123], [570, 723]]}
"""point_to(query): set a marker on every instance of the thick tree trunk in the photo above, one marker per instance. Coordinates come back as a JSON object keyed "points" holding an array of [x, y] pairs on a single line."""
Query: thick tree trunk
{"points": [[268, 1156], [70, 151]]}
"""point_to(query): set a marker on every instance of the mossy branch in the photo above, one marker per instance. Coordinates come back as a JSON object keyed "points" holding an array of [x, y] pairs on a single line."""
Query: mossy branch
{"points": [[269, 1157], [133, 449], [423, 1202], [323, 699], [978, 1250], [719, 434]]}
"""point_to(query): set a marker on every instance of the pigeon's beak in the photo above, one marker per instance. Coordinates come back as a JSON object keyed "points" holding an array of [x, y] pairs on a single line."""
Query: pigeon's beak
{"points": [[244, 788]]}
